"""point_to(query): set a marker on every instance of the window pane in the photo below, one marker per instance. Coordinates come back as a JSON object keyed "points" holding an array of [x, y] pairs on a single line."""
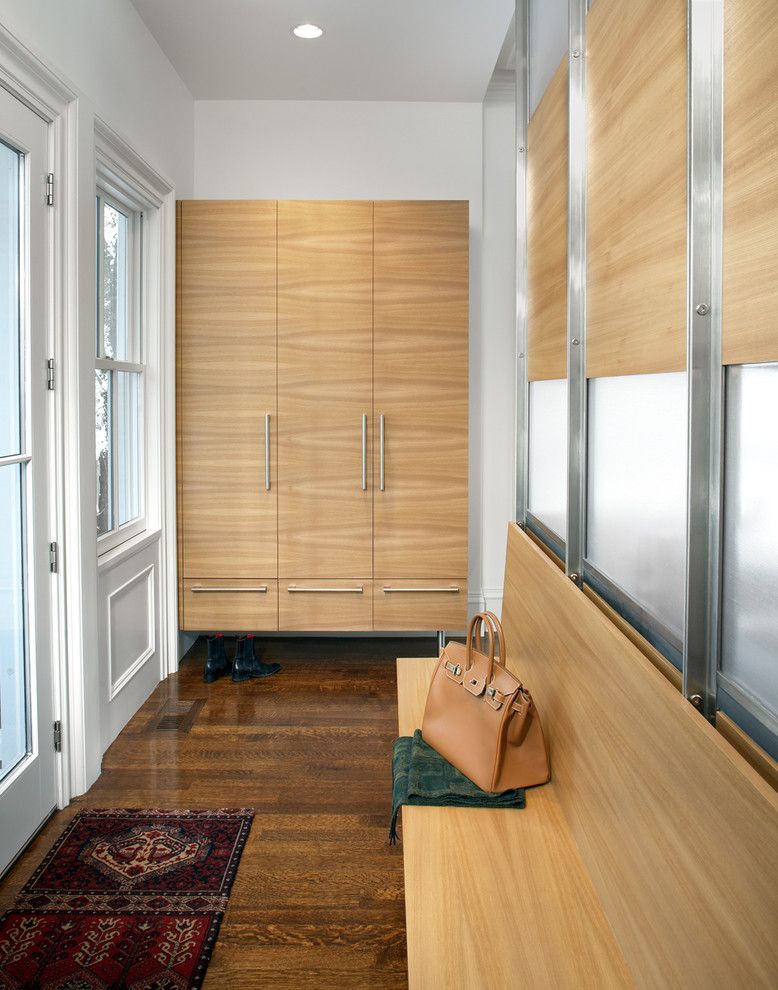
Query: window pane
{"points": [[114, 288], [636, 510], [749, 647], [10, 418], [13, 689], [547, 481], [103, 446], [128, 445]]}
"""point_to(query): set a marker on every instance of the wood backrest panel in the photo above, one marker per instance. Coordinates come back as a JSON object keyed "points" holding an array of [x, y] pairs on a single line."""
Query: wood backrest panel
{"points": [[679, 834]]}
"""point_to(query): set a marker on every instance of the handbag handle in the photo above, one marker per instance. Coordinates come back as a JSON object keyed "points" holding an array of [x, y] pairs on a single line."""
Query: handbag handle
{"points": [[500, 637], [474, 630]]}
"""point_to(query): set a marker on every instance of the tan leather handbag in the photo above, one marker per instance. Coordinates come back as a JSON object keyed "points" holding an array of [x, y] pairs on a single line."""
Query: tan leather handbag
{"points": [[481, 718]]}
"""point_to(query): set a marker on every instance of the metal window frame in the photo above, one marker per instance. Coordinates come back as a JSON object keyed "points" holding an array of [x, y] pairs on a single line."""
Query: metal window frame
{"points": [[704, 367], [521, 432], [576, 294]]}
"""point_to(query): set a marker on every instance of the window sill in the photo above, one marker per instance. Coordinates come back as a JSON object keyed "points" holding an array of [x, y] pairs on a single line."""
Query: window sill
{"points": [[116, 555]]}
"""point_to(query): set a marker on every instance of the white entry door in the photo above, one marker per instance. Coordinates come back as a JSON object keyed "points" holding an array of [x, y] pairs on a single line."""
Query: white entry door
{"points": [[27, 758]]}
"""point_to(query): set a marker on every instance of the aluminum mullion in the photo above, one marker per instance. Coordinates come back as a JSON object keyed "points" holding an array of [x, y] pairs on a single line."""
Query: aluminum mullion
{"points": [[522, 390], [576, 294], [705, 373]]}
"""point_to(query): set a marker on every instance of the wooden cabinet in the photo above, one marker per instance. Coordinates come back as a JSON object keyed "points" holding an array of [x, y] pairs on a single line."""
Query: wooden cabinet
{"points": [[420, 381], [322, 415], [325, 388], [227, 392]]}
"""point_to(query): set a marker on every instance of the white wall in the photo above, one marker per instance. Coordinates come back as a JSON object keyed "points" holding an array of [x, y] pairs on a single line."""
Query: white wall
{"points": [[498, 327], [104, 53], [359, 150]]}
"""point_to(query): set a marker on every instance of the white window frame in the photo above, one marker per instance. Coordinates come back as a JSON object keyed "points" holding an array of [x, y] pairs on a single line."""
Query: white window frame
{"points": [[133, 208]]}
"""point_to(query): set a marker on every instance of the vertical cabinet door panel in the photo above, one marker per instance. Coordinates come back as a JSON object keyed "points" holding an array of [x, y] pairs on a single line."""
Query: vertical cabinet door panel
{"points": [[325, 355], [420, 381], [227, 367]]}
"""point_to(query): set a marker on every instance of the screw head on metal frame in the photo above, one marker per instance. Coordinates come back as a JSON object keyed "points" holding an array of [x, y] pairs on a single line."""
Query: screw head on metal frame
{"points": [[703, 310], [575, 341]]}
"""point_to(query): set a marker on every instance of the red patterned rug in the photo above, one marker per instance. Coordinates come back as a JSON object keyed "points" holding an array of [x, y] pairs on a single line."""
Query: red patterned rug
{"points": [[126, 898]]}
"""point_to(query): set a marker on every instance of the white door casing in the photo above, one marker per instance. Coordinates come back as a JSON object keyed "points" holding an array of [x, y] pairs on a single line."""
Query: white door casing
{"points": [[28, 785]]}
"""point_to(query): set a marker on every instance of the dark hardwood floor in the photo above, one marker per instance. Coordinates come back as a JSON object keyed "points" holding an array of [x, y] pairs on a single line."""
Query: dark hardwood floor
{"points": [[318, 899]]}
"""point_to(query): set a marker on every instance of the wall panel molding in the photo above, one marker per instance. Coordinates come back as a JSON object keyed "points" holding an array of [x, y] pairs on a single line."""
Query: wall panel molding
{"points": [[133, 595]]}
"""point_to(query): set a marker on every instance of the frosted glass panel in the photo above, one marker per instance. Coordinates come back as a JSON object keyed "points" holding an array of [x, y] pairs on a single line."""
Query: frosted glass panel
{"points": [[749, 647], [547, 496], [10, 303], [636, 511]]}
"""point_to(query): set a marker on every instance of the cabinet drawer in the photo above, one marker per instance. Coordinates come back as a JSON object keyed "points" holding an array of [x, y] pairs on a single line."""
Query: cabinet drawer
{"points": [[311, 606], [226, 605], [413, 604]]}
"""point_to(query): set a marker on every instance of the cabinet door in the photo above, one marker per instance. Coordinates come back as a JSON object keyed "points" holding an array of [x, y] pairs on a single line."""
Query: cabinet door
{"points": [[227, 367], [420, 377], [325, 388]]}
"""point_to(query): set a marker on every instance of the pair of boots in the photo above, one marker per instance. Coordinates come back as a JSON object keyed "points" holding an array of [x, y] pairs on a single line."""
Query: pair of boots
{"points": [[245, 665]]}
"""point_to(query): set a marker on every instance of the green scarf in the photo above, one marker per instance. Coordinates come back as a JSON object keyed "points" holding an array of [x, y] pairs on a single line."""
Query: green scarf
{"points": [[422, 777]]}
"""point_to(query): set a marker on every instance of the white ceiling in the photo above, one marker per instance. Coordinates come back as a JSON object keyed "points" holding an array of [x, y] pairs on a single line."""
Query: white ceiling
{"points": [[436, 50]]}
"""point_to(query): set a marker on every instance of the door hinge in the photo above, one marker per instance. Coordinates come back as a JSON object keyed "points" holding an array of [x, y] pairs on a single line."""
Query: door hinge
{"points": [[50, 189], [58, 737], [50, 374], [53, 557]]}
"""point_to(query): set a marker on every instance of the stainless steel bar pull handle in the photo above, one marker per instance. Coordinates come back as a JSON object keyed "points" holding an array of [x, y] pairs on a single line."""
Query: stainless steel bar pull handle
{"points": [[196, 589], [294, 590], [452, 590], [364, 452], [267, 452], [381, 444]]}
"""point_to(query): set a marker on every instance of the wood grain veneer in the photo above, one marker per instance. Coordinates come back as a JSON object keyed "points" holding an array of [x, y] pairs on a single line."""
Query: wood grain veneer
{"points": [[678, 833], [230, 611], [415, 604], [498, 899], [227, 374], [547, 232], [325, 385], [637, 175], [420, 381], [318, 605], [750, 277]]}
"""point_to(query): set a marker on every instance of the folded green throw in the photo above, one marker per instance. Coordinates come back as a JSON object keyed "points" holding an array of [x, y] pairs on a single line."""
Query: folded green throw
{"points": [[422, 776]]}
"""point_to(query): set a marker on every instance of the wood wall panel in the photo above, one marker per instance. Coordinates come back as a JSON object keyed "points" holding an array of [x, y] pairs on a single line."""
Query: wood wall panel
{"points": [[750, 285], [547, 232], [325, 385], [421, 387], [677, 831], [227, 354], [637, 174]]}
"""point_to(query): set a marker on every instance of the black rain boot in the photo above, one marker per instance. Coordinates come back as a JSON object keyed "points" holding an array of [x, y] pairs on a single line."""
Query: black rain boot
{"points": [[216, 665], [246, 665]]}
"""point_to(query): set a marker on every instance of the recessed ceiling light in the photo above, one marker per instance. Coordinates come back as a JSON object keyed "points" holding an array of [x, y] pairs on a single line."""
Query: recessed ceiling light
{"points": [[308, 31]]}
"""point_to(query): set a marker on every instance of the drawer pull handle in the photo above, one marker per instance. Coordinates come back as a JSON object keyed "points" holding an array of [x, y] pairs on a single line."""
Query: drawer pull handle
{"points": [[197, 590], [364, 452], [294, 590], [267, 452], [453, 590]]}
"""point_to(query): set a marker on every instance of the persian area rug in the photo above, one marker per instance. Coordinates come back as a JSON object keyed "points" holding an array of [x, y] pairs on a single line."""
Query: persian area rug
{"points": [[126, 898]]}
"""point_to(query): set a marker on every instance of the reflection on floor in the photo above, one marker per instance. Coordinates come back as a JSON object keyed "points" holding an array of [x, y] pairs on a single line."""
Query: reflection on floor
{"points": [[318, 900]]}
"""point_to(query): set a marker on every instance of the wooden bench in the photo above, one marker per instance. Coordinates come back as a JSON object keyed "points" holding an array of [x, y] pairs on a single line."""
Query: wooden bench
{"points": [[650, 860]]}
